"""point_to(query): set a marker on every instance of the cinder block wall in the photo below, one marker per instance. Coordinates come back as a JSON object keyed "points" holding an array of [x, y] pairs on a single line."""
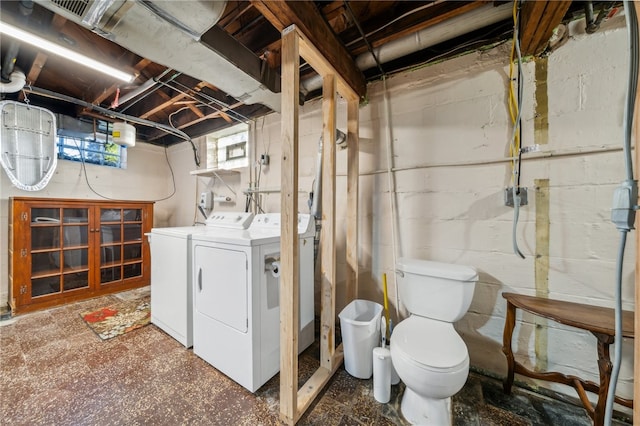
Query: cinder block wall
{"points": [[451, 130]]}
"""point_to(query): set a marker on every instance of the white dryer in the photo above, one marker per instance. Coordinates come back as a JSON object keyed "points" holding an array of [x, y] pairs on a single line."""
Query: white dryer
{"points": [[171, 282], [236, 318]]}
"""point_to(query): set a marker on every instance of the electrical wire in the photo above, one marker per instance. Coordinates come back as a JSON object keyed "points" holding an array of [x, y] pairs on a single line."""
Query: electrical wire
{"points": [[108, 113], [86, 177], [515, 111]]}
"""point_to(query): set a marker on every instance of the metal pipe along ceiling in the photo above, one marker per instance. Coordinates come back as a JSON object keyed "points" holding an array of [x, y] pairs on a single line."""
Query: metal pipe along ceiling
{"points": [[427, 37]]}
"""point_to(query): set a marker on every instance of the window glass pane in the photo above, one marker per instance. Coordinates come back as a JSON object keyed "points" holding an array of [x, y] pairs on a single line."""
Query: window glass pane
{"points": [[45, 237], [75, 215], [45, 262], [95, 147], [132, 251], [110, 274], [109, 234], [110, 254], [75, 259], [110, 215], [134, 270], [132, 215], [75, 236], [42, 286], [75, 280], [45, 215], [133, 232]]}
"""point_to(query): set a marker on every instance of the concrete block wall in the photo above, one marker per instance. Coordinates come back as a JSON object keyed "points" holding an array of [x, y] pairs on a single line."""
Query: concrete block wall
{"points": [[450, 132], [450, 129]]}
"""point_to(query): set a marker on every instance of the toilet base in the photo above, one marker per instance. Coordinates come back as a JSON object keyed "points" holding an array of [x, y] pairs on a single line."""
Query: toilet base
{"points": [[419, 410]]}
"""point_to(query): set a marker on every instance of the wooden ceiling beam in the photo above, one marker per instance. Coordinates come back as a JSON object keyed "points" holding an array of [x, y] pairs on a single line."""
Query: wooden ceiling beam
{"points": [[306, 17], [538, 20], [106, 93]]}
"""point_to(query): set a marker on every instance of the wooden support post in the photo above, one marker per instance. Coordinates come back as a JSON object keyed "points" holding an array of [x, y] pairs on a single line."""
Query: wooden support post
{"points": [[636, 341], [353, 167], [289, 279], [328, 240], [294, 403]]}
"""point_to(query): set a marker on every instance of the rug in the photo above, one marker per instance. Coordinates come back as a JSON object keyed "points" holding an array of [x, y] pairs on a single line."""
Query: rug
{"points": [[118, 319]]}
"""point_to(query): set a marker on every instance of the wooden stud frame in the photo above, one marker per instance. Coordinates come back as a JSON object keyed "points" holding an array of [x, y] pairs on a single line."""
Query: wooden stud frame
{"points": [[294, 402]]}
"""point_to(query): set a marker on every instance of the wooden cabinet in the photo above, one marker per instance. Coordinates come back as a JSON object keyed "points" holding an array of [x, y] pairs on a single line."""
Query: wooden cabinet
{"points": [[62, 249]]}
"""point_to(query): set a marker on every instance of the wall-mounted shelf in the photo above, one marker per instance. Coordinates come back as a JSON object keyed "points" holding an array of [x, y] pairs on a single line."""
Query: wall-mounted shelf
{"points": [[214, 172]]}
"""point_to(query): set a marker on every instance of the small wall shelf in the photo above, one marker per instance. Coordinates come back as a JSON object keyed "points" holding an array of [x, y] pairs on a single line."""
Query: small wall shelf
{"points": [[214, 172]]}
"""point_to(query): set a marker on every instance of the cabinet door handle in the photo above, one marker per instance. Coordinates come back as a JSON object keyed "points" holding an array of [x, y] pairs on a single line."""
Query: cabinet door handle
{"points": [[200, 279]]}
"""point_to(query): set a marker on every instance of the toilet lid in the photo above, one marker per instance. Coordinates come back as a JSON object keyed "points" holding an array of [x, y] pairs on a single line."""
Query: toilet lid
{"points": [[434, 344]]}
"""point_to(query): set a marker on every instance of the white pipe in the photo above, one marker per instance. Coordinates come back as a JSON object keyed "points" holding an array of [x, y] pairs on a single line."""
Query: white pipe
{"points": [[427, 37], [18, 80]]}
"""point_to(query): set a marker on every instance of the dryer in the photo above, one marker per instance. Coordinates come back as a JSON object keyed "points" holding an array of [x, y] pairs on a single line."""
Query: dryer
{"points": [[236, 325], [171, 282]]}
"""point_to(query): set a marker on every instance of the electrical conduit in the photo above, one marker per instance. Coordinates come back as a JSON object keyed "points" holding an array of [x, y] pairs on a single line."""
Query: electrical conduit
{"points": [[625, 199]]}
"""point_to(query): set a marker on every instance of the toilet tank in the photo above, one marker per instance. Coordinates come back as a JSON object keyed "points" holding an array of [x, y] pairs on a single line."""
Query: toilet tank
{"points": [[441, 291]]}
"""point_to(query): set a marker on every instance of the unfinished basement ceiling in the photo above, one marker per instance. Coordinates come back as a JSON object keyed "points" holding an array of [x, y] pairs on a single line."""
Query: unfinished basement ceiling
{"points": [[202, 65]]}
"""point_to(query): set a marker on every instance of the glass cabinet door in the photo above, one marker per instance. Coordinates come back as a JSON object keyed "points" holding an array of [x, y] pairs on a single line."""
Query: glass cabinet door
{"points": [[120, 244], [59, 250]]}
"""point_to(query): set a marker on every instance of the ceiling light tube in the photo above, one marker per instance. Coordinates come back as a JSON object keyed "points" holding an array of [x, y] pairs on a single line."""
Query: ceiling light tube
{"points": [[69, 54]]}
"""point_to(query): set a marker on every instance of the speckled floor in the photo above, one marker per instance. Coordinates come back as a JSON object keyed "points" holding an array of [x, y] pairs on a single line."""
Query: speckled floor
{"points": [[56, 371]]}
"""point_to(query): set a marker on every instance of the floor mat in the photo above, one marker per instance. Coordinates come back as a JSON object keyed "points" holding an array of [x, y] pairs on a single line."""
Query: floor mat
{"points": [[119, 318]]}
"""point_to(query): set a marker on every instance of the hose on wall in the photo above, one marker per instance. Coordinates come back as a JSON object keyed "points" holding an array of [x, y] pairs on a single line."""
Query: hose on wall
{"points": [[625, 199]]}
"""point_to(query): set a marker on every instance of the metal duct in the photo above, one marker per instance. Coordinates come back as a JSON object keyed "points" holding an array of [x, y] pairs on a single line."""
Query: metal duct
{"points": [[174, 33]]}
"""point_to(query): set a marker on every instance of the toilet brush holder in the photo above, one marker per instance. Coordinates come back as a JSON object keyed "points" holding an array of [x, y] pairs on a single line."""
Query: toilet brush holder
{"points": [[381, 374]]}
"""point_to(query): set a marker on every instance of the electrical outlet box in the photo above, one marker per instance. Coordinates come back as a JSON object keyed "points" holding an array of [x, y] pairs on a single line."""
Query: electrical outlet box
{"points": [[206, 200], [508, 196], [264, 159]]}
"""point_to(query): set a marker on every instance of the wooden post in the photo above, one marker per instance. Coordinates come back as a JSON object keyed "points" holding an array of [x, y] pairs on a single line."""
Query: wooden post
{"points": [[289, 278], [353, 168], [328, 240], [294, 403], [636, 332]]}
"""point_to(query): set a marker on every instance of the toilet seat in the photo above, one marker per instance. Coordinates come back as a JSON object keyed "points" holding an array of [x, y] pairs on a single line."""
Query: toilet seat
{"points": [[430, 344]]}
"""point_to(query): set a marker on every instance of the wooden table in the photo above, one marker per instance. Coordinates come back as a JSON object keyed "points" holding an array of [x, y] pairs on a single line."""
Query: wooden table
{"points": [[598, 320]]}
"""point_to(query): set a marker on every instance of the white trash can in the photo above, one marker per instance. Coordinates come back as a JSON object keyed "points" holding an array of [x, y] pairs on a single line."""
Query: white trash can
{"points": [[360, 326]]}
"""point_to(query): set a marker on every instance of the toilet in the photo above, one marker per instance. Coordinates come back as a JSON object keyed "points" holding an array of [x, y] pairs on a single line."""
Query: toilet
{"points": [[428, 354]]}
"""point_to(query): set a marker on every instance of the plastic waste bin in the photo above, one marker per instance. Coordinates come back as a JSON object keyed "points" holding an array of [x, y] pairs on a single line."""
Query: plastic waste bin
{"points": [[360, 326]]}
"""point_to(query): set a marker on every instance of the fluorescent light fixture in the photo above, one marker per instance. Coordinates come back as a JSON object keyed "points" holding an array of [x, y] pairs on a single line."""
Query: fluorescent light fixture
{"points": [[69, 54]]}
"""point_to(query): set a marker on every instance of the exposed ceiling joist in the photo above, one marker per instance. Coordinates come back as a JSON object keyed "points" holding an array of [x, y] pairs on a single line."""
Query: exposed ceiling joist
{"points": [[310, 22], [539, 19]]}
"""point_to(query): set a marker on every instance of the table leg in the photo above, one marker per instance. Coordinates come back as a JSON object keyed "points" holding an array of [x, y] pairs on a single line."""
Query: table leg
{"points": [[605, 366], [509, 325]]}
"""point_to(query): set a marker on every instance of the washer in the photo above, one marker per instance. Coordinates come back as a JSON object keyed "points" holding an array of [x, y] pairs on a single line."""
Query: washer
{"points": [[171, 283], [236, 318]]}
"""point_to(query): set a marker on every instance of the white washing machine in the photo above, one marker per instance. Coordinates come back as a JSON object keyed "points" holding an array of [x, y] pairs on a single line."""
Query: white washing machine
{"points": [[236, 317], [171, 281]]}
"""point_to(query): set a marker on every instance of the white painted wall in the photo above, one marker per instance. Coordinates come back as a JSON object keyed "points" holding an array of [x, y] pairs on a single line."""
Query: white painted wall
{"points": [[145, 179]]}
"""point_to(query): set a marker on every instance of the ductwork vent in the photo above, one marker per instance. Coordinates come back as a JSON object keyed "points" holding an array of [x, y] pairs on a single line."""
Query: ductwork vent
{"points": [[76, 7]]}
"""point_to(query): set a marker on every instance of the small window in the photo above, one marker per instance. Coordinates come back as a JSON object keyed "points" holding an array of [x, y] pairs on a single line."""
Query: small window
{"points": [[228, 148], [95, 148]]}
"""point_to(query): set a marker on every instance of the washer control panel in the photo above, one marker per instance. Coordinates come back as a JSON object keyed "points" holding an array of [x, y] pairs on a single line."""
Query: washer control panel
{"points": [[234, 220], [272, 221]]}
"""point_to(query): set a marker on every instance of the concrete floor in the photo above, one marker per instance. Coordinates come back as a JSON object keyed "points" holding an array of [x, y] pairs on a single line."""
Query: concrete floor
{"points": [[55, 371]]}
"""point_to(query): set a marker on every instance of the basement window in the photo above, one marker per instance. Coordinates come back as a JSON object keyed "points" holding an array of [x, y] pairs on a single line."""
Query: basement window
{"points": [[228, 148], [95, 148]]}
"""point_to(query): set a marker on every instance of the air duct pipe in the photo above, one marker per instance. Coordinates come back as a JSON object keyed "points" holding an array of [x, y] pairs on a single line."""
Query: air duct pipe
{"points": [[430, 36], [11, 55], [16, 82]]}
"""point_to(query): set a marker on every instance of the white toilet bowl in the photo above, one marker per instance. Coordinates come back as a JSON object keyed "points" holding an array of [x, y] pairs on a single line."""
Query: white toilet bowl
{"points": [[433, 362], [427, 353]]}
